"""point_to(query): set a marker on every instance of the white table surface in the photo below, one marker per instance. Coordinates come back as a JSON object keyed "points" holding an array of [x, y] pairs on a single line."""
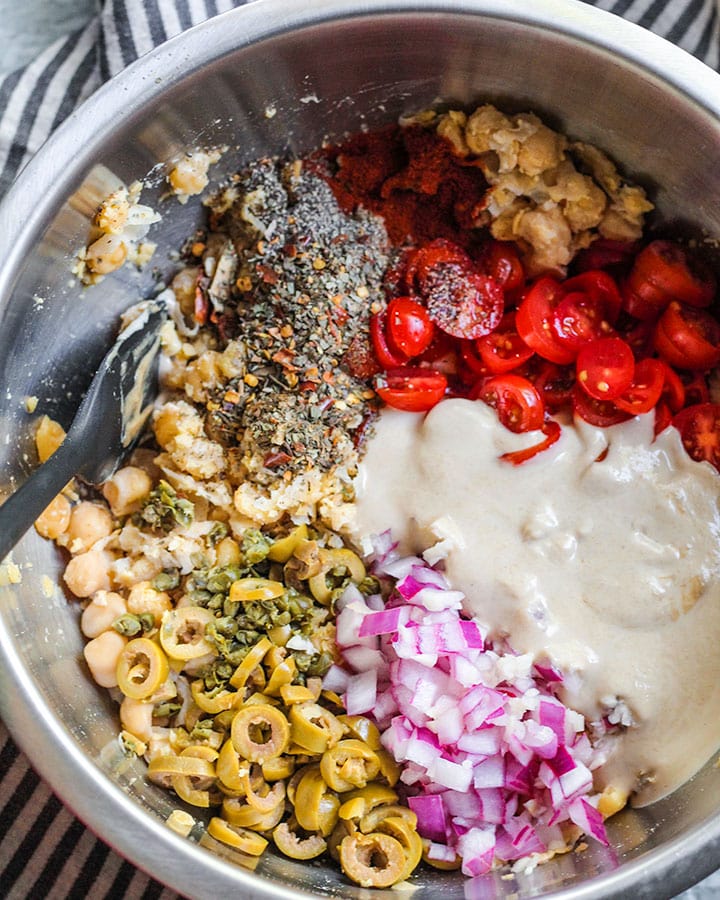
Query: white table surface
{"points": [[26, 28]]}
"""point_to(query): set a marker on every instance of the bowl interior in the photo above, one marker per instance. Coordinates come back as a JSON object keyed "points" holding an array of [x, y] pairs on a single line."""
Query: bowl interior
{"points": [[280, 78]]}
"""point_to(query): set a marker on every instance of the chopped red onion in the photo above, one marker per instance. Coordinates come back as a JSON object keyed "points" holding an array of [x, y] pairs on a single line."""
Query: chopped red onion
{"points": [[492, 760]]}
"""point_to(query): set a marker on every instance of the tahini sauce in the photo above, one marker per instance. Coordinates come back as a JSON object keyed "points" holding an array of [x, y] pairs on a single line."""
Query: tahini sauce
{"points": [[601, 555]]}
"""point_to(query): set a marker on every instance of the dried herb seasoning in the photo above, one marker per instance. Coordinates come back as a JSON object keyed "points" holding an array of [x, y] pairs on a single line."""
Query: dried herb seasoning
{"points": [[292, 281]]}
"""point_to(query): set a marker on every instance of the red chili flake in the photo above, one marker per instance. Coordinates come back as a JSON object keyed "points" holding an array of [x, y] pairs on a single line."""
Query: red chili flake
{"points": [[202, 306], [284, 358], [268, 275], [276, 458]]}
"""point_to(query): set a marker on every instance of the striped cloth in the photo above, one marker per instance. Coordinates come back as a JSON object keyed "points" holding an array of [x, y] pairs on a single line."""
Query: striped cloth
{"points": [[45, 853]]}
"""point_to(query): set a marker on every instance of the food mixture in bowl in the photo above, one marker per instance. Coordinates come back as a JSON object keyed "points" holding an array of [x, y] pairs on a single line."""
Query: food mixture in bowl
{"points": [[419, 560]]}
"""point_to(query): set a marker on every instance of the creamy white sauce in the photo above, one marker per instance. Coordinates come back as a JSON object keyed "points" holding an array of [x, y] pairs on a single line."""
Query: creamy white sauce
{"points": [[601, 555]]}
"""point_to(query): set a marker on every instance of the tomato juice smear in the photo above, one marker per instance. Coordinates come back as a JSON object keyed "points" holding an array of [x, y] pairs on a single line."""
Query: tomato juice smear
{"points": [[648, 297]]}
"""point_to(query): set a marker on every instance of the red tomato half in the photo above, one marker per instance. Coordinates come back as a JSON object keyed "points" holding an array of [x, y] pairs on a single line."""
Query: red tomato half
{"points": [[556, 384], [408, 326], [502, 263], [662, 272], [503, 349], [601, 413], [605, 368], [673, 392], [386, 355], [605, 254], [699, 428], [688, 338], [464, 304], [534, 321], [588, 309], [696, 389], [411, 389], [646, 388], [517, 401]]}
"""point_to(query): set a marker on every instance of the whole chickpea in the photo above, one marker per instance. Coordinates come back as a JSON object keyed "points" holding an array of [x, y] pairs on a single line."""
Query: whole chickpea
{"points": [[88, 572], [143, 598], [89, 523], [98, 616], [102, 654], [136, 717], [125, 489]]}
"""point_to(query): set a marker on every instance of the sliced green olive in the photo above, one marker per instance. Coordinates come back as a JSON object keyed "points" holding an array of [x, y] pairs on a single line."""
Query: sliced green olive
{"points": [[281, 675], [141, 668], [389, 769], [314, 728], [331, 560], [182, 632], [370, 822], [237, 837], [289, 842], [363, 729], [260, 732], [280, 767], [349, 764], [259, 794], [358, 803], [372, 860], [282, 550], [252, 660], [230, 769], [409, 839], [247, 589], [343, 828], [316, 807]]}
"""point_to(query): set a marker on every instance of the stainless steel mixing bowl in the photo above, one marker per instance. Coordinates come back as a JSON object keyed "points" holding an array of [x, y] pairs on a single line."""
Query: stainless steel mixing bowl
{"points": [[325, 67]]}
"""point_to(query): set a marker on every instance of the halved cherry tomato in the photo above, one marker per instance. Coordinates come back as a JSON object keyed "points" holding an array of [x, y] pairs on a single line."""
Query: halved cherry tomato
{"points": [[517, 401], [639, 335], [441, 355], [556, 384], [601, 413], [696, 389], [464, 304], [663, 417], [503, 349], [501, 262], [600, 288], [551, 429], [688, 338], [588, 309], [662, 272], [408, 326], [420, 262], [410, 388], [646, 388], [472, 359], [699, 428], [534, 321], [605, 368], [388, 357], [605, 253], [673, 392]]}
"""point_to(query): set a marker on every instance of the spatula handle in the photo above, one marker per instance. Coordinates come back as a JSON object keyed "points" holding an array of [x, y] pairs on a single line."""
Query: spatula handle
{"points": [[21, 509]]}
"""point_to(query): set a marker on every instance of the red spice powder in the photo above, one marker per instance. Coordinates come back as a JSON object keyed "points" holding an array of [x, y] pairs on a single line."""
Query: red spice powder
{"points": [[413, 179]]}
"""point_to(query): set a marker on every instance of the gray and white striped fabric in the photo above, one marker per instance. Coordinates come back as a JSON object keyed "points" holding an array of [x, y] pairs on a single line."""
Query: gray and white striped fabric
{"points": [[45, 853]]}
